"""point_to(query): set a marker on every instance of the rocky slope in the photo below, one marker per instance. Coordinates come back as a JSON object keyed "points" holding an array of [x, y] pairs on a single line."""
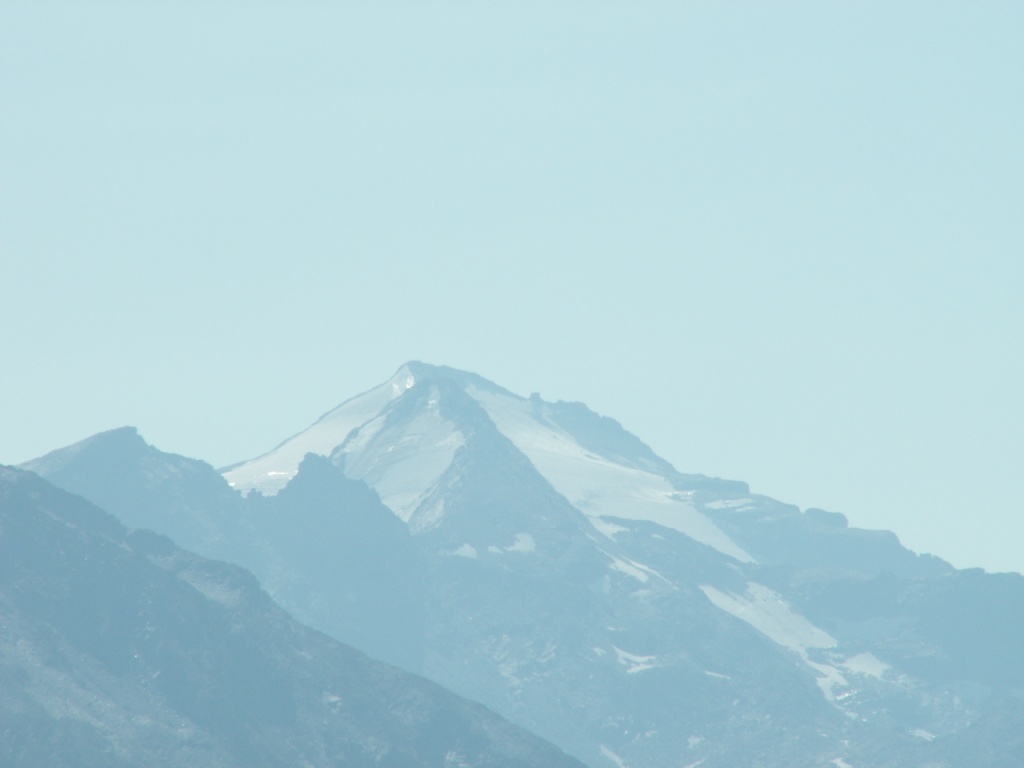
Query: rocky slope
{"points": [[119, 649]]}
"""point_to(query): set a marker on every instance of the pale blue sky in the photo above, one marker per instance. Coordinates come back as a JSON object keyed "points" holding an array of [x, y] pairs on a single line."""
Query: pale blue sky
{"points": [[781, 242]]}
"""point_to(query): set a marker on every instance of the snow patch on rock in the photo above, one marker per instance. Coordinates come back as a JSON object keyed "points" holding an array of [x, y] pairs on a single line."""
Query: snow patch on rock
{"points": [[632, 662]]}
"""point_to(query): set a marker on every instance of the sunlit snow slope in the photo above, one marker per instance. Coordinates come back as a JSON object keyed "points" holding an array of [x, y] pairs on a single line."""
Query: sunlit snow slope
{"points": [[271, 472], [597, 486], [403, 459]]}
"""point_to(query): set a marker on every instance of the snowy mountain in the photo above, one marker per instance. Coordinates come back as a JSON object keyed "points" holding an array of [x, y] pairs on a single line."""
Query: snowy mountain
{"points": [[636, 616]]}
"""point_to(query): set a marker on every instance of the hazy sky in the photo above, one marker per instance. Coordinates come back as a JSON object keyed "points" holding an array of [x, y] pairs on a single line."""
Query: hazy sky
{"points": [[781, 242]]}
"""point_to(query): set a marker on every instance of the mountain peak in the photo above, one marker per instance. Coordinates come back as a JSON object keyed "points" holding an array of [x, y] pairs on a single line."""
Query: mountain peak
{"points": [[420, 371], [114, 444], [271, 471], [404, 436]]}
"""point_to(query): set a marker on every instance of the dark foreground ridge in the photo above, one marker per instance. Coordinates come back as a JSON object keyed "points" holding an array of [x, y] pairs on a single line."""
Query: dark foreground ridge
{"points": [[119, 649]]}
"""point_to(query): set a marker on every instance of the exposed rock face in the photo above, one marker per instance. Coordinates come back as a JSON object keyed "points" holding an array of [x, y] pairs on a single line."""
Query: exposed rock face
{"points": [[119, 649]]}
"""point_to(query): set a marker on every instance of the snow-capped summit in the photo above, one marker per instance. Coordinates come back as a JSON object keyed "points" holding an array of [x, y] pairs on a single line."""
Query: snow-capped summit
{"points": [[402, 436], [271, 472]]}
